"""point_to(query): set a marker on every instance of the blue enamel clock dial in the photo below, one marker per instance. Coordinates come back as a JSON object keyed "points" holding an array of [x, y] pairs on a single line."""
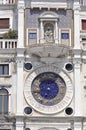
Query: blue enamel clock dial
{"points": [[48, 88]]}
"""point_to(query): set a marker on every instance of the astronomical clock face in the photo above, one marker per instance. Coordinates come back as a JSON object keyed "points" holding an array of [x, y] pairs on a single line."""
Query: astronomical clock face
{"points": [[48, 89]]}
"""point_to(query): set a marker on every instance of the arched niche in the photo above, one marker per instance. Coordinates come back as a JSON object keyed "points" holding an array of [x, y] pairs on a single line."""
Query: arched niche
{"points": [[45, 20]]}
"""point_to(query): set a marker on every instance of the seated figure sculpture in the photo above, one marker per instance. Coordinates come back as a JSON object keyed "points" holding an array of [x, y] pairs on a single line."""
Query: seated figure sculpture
{"points": [[48, 35]]}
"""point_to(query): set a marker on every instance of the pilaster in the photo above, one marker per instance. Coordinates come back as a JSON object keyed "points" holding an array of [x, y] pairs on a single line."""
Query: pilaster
{"points": [[20, 23], [77, 85], [78, 126], [4, 1], [76, 28], [20, 81], [19, 124]]}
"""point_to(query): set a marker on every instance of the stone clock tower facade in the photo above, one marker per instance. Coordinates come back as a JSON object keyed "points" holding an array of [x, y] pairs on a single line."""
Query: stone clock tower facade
{"points": [[43, 65]]}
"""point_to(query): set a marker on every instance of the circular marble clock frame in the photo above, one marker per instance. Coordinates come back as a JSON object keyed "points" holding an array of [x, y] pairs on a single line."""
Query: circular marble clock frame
{"points": [[44, 107]]}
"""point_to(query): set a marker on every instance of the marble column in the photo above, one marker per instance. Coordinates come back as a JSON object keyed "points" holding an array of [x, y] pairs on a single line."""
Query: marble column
{"points": [[41, 32], [56, 32]]}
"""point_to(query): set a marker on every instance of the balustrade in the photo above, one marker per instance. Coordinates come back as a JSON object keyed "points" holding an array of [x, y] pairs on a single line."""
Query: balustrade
{"points": [[7, 2], [6, 44]]}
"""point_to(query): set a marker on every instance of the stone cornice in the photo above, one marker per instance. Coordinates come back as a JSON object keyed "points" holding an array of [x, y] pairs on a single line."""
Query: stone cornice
{"points": [[49, 4], [55, 119]]}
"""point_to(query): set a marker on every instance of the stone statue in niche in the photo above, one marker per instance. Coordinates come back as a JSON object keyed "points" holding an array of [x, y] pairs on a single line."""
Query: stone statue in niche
{"points": [[48, 33]]}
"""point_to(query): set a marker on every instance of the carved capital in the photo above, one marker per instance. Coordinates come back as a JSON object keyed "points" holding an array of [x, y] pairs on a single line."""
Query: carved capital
{"points": [[77, 61], [21, 5], [76, 10], [20, 61]]}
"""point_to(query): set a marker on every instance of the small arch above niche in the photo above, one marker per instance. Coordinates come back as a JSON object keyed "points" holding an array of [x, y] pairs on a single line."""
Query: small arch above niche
{"points": [[49, 14]]}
